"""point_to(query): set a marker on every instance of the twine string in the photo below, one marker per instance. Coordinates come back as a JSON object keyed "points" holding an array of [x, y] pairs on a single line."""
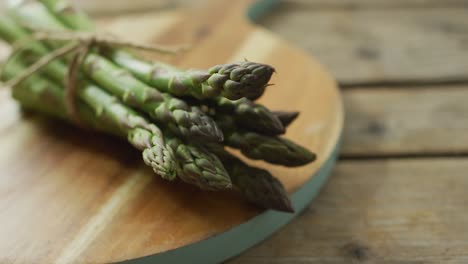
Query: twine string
{"points": [[79, 45], [71, 81]]}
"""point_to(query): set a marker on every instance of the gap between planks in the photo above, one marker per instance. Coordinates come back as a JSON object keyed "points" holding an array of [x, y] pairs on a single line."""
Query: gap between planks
{"points": [[396, 46], [405, 123], [401, 156], [436, 83]]}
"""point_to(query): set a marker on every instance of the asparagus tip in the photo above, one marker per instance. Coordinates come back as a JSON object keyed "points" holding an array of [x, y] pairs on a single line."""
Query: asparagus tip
{"points": [[286, 117], [243, 79]]}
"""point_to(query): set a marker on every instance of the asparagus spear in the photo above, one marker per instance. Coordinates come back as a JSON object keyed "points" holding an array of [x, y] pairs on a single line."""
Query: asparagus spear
{"points": [[275, 150], [198, 166], [108, 115], [11, 33], [181, 118], [256, 185], [233, 81], [68, 14], [185, 120], [285, 117], [250, 115]]}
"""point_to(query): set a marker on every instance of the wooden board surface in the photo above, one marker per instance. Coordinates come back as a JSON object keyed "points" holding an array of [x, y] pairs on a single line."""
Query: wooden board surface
{"points": [[73, 196]]}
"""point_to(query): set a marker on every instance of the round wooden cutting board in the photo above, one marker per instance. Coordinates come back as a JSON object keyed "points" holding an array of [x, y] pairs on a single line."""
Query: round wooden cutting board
{"points": [[70, 196]]}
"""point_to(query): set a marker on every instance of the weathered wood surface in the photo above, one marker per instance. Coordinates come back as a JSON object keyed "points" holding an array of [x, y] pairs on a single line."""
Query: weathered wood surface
{"points": [[387, 211], [375, 3], [380, 45], [401, 121]]}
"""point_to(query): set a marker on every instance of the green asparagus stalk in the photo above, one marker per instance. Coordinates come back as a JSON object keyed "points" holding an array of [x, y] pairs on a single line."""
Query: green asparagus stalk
{"points": [[194, 166], [35, 94], [174, 113], [204, 170], [257, 185], [185, 120], [198, 166], [275, 150], [69, 14], [108, 115], [285, 117], [250, 115], [233, 81], [12, 33]]}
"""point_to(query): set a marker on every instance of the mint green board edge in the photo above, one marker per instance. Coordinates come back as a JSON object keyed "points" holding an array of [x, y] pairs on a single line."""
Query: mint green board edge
{"points": [[233, 242]]}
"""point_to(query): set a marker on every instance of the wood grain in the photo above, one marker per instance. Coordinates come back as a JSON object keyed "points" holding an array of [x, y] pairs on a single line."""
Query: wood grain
{"points": [[392, 211], [380, 45], [69, 196], [376, 3], [406, 121]]}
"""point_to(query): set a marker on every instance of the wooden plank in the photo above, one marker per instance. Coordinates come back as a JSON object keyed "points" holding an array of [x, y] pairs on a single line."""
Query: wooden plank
{"points": [[380, 45], [393, 211], [375, 3], [406, 121]]}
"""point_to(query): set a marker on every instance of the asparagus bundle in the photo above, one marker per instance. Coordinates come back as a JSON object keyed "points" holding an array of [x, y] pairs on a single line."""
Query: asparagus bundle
{"points": [[244, 80], [233, 80], [108, 115], [181, 118], [117, 90]]}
